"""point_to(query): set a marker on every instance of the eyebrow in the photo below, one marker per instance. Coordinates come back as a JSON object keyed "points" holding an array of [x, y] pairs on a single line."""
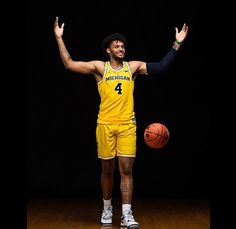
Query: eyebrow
{"points": [[122, 45]]}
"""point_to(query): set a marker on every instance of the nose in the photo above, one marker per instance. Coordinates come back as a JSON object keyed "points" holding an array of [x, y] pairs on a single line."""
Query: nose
{"points": [[121, 49]]}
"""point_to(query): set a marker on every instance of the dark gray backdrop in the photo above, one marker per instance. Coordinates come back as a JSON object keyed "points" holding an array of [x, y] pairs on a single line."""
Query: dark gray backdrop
{"points": [[62, 106]]}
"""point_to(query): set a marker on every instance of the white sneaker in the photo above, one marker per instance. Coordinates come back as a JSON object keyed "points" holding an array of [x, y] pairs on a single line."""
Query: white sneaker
{"points": [[128, 221], [106, 218]]}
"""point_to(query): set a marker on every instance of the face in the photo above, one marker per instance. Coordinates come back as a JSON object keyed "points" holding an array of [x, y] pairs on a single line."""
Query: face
{"points": [[116, 50]]}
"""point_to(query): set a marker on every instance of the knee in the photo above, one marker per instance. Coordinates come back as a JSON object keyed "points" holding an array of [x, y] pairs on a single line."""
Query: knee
{"points": [[126, 171], [107, 170]]}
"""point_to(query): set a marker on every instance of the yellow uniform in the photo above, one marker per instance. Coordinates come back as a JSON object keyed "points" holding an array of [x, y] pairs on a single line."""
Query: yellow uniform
{"points": [[116, 129]]}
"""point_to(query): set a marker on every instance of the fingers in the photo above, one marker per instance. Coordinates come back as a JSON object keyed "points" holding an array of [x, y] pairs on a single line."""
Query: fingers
{"points": [[176, 30], [185, 28], [56, 22]]}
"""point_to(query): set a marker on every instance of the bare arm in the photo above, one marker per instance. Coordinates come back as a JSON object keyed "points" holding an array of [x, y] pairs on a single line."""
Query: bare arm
{"points": [[91, 67]]}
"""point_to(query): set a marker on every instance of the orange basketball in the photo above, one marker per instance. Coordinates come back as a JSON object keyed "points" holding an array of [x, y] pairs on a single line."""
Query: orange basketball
{"points": [[156, 135]]}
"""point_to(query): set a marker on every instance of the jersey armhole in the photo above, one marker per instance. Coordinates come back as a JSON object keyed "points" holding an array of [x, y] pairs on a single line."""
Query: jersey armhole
{"points": [[133, 76], [104, 73]]}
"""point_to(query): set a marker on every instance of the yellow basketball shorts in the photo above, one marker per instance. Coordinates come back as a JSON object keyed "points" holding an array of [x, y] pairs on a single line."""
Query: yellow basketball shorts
{"points": [[116, 140]]}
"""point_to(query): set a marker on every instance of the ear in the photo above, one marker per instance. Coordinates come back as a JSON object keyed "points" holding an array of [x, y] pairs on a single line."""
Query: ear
{"points": [[108, 50]]}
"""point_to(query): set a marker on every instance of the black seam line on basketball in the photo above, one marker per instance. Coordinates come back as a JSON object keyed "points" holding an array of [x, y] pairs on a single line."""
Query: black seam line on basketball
{"points": [[162, 129], [153, 139], [157, 134]]}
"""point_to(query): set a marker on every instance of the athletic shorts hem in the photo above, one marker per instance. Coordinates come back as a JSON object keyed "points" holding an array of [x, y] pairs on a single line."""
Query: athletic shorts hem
{"points": [[106, 158], [125, 155]]}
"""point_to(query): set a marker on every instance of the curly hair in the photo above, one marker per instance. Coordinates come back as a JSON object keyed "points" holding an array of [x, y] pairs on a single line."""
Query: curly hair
{"points": [[112, 37]]}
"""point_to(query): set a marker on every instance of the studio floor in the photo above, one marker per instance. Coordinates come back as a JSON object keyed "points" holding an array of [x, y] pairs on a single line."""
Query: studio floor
{"points": [[85, 213]]}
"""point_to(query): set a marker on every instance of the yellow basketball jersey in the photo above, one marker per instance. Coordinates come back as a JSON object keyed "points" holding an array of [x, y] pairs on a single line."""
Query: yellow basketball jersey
{"points": [[116, 93]]}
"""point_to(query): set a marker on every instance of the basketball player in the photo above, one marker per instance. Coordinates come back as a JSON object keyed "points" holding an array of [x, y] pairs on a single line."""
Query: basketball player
{"points": [[116, 125]]}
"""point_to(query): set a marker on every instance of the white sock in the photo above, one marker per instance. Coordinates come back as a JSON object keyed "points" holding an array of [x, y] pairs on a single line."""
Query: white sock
{"points": [[106, 204], [126, 208]]}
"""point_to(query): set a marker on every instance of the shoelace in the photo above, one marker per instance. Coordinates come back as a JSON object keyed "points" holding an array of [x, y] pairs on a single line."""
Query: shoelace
{"points": [[129, 217], [107, 213]]}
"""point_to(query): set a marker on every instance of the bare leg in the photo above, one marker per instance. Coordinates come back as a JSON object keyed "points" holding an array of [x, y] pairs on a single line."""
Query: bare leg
{"points": [[126, 187], [108, 167], [126, 184]]}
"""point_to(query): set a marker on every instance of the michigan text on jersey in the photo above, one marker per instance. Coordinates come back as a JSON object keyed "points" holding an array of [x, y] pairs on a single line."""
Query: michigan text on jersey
{"points": [[118, 78]]}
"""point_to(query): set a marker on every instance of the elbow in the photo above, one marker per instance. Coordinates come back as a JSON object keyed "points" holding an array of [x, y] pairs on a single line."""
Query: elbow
{"points": [[156, 68], [68, 65], [163, 68]]}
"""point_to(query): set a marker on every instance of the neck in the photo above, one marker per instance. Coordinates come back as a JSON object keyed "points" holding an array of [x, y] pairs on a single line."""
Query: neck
{"points": [[116, 63]]}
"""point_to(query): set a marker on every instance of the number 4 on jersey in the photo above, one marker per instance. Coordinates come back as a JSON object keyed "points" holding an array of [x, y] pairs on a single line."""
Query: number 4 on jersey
{"points": [[118, 88]]}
